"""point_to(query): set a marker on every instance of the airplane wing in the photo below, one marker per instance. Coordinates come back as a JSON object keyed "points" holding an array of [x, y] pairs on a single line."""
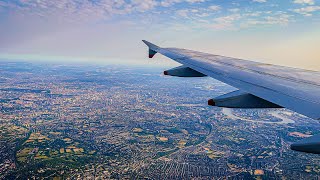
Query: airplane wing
{"points": [[260, 85]]}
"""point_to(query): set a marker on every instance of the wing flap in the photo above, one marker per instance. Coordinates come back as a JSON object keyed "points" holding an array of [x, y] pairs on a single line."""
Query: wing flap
{"points": [[241, 99], [183, 71], [309, 145]]}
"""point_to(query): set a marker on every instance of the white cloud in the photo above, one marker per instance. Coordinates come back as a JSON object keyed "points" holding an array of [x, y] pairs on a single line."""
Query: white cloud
{"points": [[307, 11], [251, 19], [260, 1], [310, 2], [167, 3], [87, 10], [195, 1], [143, 5], [215, 7], [183, 13], [281, 19], [197, 14], [2, 3], [225, 22], [234, 10]]}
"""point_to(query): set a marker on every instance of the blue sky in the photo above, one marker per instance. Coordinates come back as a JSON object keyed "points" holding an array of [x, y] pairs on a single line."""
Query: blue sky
{"points": [[285, 32]]}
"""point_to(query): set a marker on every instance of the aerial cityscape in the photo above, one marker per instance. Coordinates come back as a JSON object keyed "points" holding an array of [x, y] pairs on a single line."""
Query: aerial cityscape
{"points": [[117, 122], [80, 99]]}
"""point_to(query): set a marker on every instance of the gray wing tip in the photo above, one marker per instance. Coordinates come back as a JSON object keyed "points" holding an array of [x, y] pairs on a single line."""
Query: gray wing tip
{"points": [[150, 45]]}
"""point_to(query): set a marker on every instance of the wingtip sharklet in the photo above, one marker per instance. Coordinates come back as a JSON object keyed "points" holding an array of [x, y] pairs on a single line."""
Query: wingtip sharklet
{"points": [[152, 48], [149, 44]]}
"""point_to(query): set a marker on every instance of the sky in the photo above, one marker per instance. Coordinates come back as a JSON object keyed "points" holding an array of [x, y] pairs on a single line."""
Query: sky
{"points": [[283, 32]]}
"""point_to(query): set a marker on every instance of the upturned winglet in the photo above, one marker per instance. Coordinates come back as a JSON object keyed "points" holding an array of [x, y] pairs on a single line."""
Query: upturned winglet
{"points": [[152, 48]]}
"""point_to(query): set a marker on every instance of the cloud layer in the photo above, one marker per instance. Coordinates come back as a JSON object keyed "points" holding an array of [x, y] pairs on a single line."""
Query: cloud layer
{"points": [[87, 28], [212, 12]]}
